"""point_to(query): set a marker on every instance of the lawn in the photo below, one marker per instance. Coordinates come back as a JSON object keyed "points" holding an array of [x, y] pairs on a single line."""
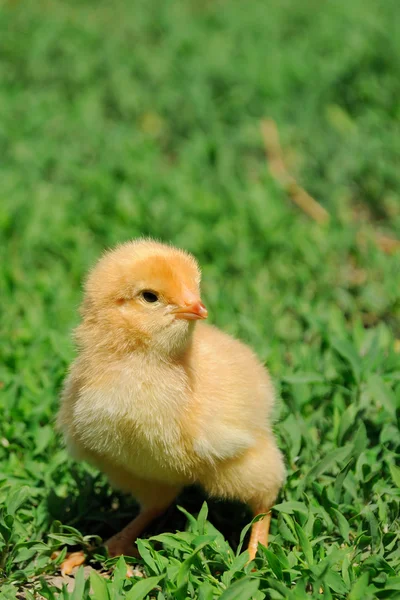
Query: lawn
{"points": [[142, 117]]}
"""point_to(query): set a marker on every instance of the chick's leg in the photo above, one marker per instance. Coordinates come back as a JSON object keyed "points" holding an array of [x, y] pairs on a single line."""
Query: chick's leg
{"points": [[154, 499], [259, 532], [122, 542], [255, 478]]}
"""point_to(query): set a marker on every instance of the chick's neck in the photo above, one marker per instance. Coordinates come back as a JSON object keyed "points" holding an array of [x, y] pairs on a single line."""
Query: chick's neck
{"points": [[115, 343]]}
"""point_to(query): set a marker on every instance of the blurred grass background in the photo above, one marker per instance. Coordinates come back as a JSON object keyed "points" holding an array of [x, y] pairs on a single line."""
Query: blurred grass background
{"points": [[143, 118]]}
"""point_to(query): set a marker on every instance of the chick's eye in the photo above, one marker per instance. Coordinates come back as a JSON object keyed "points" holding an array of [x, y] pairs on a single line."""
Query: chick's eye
{"points": [[149, 296]]}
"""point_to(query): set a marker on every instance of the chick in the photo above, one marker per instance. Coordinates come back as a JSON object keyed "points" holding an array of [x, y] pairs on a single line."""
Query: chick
{"points": [[158, 401]]}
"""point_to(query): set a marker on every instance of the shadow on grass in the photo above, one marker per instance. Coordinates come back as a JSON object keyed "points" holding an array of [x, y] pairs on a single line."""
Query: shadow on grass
{"points": [[94, 508]]}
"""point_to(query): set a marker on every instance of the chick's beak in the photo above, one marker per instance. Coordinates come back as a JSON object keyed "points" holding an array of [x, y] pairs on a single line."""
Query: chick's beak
{"points": [[191, 312]]}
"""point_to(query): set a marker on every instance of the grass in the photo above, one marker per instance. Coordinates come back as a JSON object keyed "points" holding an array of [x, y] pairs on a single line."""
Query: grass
{"points": [[143, 118]]}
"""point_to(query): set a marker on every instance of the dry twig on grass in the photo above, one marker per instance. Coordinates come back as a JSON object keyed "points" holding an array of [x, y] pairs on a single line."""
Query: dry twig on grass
{"points": [[299, 196], [279, 172], [387, 244]]}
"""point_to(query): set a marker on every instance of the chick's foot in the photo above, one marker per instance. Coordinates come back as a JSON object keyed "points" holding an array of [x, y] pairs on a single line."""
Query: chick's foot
{"points": [[75, 559], [118, 545], [122, 542]]}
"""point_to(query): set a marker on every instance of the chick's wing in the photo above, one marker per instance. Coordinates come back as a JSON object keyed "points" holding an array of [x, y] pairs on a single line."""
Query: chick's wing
{"points": [[232, 395]]}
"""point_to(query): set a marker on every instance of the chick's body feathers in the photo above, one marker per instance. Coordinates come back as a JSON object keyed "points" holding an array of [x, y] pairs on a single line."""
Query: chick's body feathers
{"points": [[129, 417], [168, 420]]}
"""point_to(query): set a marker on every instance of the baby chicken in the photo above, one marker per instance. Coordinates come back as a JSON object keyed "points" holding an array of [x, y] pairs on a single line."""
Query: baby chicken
{"points": [[158, 401]]}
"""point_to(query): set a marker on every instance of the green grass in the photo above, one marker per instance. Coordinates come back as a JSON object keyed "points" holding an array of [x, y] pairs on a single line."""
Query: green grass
{"points": [[143, 118]]}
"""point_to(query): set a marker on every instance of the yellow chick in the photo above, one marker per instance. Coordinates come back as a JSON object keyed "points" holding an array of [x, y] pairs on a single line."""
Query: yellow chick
{"points": [[158, 401]]}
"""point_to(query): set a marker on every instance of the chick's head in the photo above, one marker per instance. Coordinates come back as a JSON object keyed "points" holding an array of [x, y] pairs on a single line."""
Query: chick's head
{"points": [[144, 294]]}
